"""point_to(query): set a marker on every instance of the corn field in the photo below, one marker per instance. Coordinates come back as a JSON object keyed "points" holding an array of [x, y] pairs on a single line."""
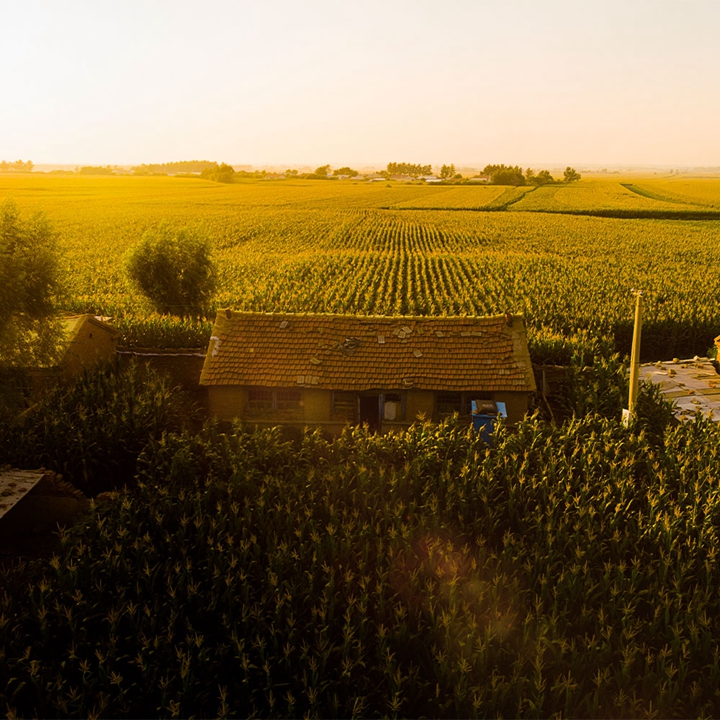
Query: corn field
{"points": [[567, 571], [570, 569], [346, 247]]}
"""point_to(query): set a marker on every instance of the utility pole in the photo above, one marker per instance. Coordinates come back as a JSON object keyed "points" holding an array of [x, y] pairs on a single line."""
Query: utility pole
{"points": [[629, 414]]}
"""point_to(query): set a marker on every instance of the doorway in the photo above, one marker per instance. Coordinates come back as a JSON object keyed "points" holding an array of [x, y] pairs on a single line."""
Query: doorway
{"points": [[370, 411]]}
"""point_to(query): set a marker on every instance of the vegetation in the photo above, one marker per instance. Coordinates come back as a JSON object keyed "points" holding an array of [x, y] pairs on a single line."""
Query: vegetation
{"points": [[174, 270], [29, 286], [345, 170], [569, 569], [219, 173], [173, 168], [542, 178], [17, 166], [97, 170], [94, 430], [447, 172], [412, 169], [564, 255], [504, 174], [571, 175]]}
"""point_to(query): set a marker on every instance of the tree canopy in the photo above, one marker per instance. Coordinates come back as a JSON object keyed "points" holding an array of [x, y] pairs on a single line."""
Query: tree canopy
{"points": [[411, 169], [447, 172], [171, 168], [542, 178], [17, 166], [505, 174], [345, 170], [29, 288], [571, 175], [219, 173], [174, 270]]}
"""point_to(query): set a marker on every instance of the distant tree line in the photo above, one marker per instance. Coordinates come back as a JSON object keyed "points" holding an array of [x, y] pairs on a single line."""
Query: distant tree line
{"points": [[411, 169], [17, 166], [514, 175], [96, 170], [172, 168]]}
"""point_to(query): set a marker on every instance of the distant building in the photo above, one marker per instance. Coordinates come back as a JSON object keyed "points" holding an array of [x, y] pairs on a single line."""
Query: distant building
{"points": [[388, 372]]}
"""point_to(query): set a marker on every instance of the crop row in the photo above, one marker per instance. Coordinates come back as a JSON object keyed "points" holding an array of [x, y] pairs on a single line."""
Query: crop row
{"points": [[329, 247]]}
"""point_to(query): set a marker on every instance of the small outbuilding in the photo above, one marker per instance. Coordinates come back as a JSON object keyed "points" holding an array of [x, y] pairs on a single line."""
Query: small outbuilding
{"points": [[388, 372], [88, 340]]}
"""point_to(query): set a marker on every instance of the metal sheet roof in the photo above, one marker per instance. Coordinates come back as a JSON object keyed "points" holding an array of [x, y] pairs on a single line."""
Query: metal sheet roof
{"points": [[15, 485], [693, 386]]}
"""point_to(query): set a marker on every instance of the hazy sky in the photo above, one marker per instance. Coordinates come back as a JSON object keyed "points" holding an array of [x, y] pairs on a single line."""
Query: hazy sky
{"points": [[361, 81]]}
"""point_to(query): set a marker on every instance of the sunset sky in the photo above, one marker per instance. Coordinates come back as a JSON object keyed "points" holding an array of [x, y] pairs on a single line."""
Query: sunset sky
{"points": [[532, 82]]}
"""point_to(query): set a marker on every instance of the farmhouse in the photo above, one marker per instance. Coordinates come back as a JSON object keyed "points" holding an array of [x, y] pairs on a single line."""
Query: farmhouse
{"points": [[388, 372]]}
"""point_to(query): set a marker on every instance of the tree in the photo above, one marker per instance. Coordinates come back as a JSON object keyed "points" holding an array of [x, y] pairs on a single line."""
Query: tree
{"points": [[447, 172], [571, 175], [412, 169], [174, 270], [345, 170], [544, 178], [322, 171], [29, 289], [504, 174], [219, 173]]}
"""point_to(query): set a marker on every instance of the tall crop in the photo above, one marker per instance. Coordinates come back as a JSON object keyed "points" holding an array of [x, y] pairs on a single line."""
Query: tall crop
{"points": [[338, 247], [568, 570]]}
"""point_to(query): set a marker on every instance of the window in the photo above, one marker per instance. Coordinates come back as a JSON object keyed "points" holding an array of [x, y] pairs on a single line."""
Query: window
{"points": [[287, 399], [344, 406], [447, 403], [266, 400], [260, 399]]}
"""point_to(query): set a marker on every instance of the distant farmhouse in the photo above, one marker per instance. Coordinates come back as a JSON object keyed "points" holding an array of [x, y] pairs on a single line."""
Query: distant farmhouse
{"points": [[388, 372]]}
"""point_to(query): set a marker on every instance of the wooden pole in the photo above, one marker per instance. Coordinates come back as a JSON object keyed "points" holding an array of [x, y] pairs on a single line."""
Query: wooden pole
{"points": [[635, 356]]}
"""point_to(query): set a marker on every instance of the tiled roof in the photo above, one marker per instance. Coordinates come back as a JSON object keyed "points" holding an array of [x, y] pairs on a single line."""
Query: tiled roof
{"points": [[348, 352]]}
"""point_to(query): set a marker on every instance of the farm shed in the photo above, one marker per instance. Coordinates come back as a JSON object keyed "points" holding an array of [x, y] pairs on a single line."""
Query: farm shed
{"points": [[86, 340], [388, 372], [693, 386]]}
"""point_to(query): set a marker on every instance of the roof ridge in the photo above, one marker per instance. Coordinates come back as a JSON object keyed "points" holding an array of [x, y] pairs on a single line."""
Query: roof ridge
{"points": [[357, 316]]}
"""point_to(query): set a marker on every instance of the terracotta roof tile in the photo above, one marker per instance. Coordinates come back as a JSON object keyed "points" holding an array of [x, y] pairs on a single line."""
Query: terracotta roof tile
{"points": [[342, 352]]}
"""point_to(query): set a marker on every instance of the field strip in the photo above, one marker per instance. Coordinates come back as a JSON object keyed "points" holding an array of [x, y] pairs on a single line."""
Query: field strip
{"points": [[655, 196]]}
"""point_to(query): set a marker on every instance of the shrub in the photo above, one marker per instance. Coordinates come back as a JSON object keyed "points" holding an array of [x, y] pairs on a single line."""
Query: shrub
{"points": [[174, 270]]}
